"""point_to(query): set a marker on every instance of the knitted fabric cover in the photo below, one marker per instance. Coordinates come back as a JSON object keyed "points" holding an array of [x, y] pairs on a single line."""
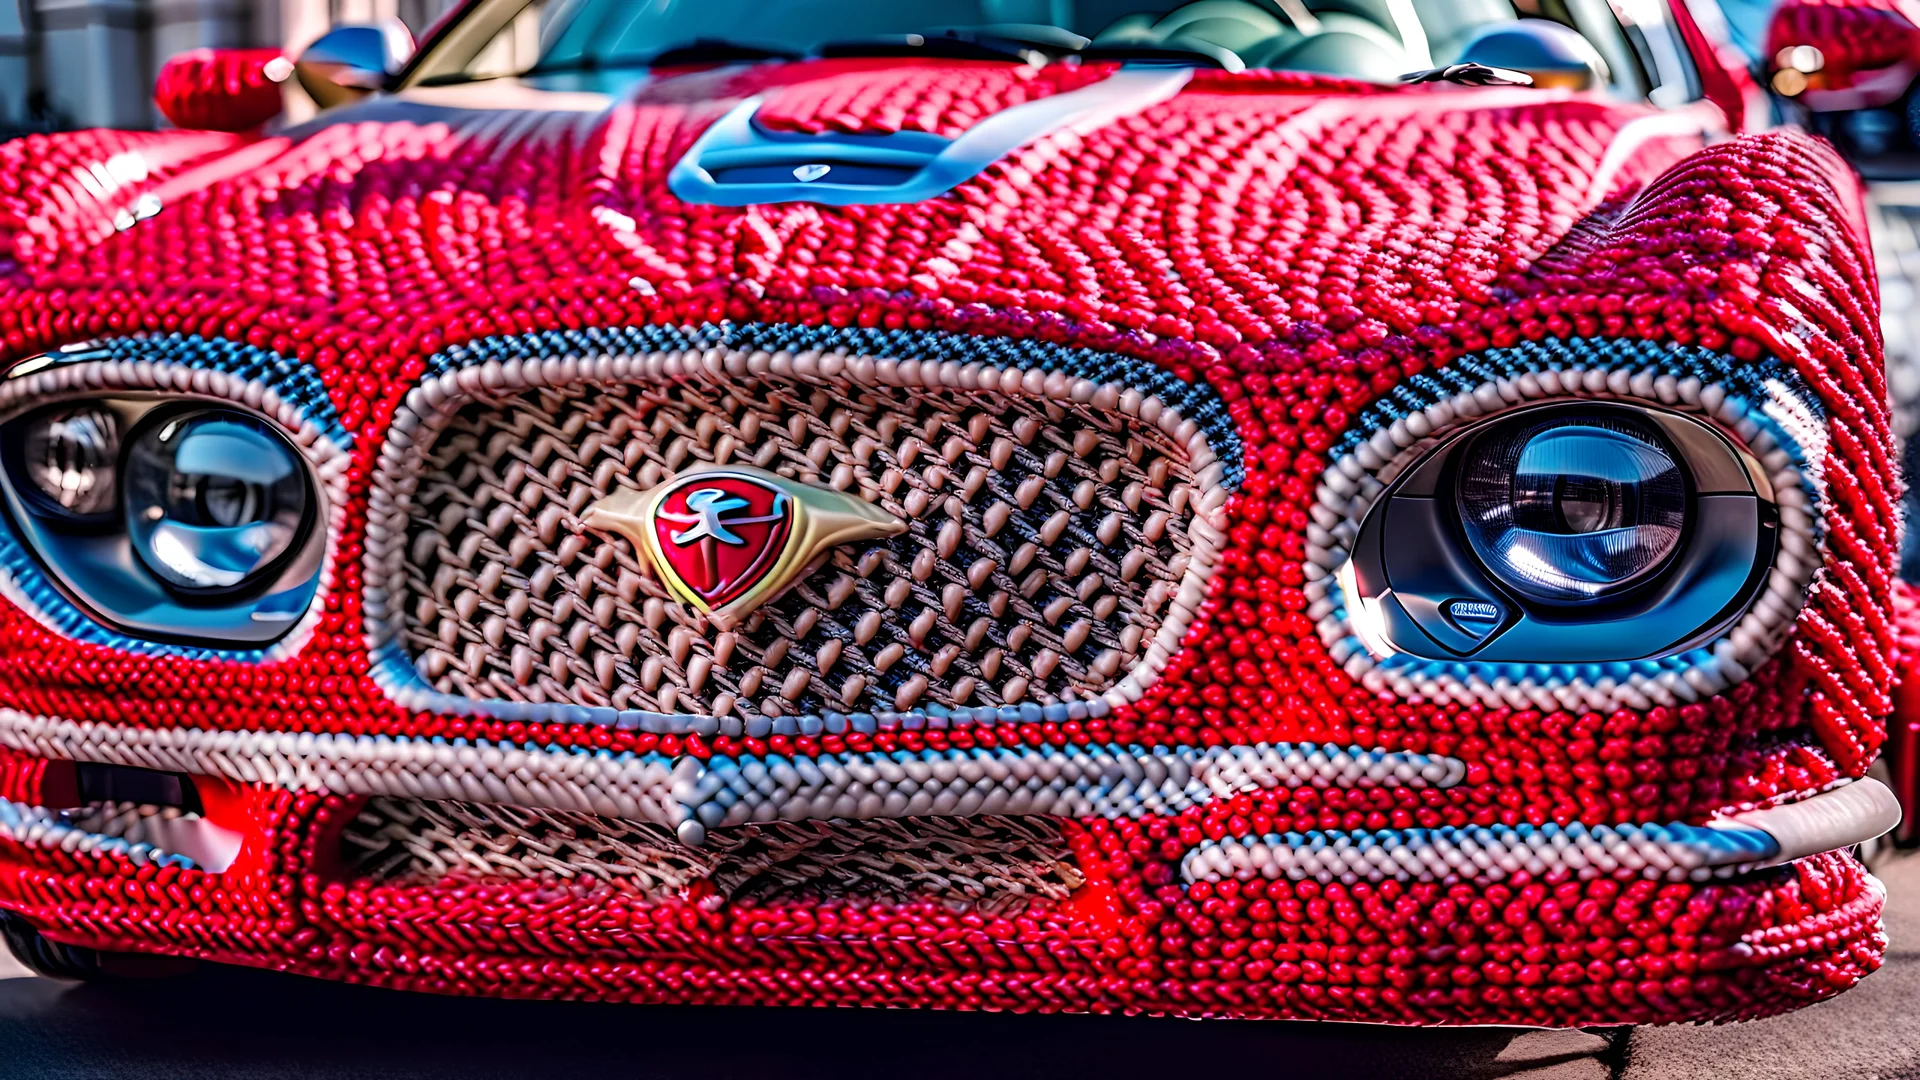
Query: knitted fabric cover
{"points": [[493, 761]]}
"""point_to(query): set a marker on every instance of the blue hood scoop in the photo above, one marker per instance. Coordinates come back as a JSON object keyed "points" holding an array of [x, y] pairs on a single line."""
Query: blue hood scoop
{"points": [[739, 163]]}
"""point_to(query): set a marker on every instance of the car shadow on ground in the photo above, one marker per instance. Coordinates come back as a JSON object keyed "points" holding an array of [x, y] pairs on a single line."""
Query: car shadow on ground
{"points": [[231, 1022]]}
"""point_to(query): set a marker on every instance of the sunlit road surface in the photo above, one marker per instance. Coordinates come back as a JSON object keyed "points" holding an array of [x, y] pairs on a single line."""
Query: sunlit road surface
{"points": [[229, 1023]]}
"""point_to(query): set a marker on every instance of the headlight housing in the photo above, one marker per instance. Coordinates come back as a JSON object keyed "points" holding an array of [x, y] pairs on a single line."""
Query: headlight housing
{"points": [[214, 499], [193, 522], [1572, 507], [1564, 533]]}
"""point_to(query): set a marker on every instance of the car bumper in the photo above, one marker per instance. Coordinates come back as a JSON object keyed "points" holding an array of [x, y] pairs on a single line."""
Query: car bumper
{"points": [[1751, 914]]}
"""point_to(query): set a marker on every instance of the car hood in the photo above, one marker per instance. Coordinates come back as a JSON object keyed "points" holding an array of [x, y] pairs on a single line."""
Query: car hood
{"points": [[1223, 216]]}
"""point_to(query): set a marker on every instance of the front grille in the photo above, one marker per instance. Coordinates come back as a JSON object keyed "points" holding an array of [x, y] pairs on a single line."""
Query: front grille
{"points": [[990, 864], [1046, 540]]}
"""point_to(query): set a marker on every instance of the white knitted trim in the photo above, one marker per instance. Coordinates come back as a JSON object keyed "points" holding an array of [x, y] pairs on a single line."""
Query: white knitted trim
{"points": [[691, 795], [1063, 782], [1839, 817]]}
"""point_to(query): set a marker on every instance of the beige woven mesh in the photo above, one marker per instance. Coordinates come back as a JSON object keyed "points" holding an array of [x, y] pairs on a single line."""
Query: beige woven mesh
{"points": [[994, 864], [1045, 542]]}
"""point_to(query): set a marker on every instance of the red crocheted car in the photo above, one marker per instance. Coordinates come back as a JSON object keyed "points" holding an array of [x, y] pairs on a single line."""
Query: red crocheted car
{"points": [[931, 504]]}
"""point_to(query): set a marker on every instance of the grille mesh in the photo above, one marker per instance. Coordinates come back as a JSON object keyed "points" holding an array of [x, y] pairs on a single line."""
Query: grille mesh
{"points": [[994, 864], [1045, 541]]}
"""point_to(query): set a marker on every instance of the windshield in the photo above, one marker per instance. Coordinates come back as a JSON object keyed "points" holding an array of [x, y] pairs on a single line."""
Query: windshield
{"points": [[1377, 40]]}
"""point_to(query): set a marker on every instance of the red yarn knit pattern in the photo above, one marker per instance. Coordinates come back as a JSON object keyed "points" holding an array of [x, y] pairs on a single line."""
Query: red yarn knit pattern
{"points": [[1301, 250]]}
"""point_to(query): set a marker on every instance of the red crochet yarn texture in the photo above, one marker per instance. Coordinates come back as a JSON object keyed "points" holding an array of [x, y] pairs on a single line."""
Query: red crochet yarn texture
{"points": [[845, 96], [222, 89], [1300, 249]]}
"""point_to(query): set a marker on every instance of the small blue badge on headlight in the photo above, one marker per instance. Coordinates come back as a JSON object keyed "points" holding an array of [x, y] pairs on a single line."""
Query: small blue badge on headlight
{"points": [[1476, 618], [1476, 611]]}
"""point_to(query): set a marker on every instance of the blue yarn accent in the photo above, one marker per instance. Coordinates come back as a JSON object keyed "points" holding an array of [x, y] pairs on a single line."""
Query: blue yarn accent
{"points": [[297, 383], [395, 673], [1194, 401], [293, 380], [18, 816], [1722, 846], [1742, 379]]}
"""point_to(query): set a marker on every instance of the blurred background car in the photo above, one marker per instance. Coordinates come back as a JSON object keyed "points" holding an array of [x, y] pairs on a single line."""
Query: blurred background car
{"points": [[92, 63], [1847, 68]]}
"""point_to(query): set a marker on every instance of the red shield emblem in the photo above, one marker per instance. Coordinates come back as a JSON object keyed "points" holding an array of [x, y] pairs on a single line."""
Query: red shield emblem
{"points": [[728, 538], [722, 532]]}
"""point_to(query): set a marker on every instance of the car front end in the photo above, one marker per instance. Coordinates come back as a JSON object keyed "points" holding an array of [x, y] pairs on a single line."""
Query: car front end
{"points": [[1123, 535]]}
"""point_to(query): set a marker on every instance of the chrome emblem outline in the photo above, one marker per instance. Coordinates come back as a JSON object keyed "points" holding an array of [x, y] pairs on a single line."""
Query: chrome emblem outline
{"points": [[804, 522]]}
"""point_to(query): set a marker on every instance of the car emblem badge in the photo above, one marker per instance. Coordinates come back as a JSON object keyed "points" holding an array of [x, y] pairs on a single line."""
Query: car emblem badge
{"points": [[727, 539], [807, 174]]}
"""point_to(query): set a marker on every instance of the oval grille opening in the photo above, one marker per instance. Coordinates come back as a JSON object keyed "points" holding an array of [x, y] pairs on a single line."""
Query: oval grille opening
{"points": [[1046, 540]]}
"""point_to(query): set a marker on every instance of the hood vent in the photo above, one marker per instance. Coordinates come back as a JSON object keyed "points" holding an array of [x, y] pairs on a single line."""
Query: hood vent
{"points": [[739, 163]]}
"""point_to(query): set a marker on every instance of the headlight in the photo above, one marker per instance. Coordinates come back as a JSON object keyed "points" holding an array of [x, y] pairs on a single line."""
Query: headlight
{"points": [[188, 522], [69, 454], [213, 498], [1574, 508], [1564, 533]]}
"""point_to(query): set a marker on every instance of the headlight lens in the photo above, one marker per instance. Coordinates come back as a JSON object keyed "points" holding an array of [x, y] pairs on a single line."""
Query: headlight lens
{"points": [[69, 453], [1574, 508], [214, 499]]}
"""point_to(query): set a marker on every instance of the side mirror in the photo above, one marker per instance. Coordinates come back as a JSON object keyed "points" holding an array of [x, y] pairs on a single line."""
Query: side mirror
{"points": [[350, 62], [1556, 56], [222, 89]]}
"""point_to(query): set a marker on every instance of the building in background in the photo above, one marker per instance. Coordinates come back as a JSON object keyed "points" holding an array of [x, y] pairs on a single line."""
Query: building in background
{"points": [[91, 63]]}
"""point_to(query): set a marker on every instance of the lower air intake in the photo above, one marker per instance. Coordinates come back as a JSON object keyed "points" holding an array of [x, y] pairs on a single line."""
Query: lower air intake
{"points": [[994, 865]]}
